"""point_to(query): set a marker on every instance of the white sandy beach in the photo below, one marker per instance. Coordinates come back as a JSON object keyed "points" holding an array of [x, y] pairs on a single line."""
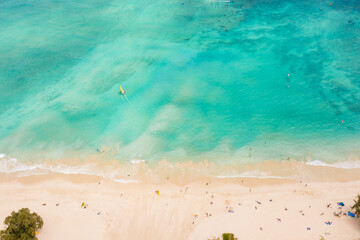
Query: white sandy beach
{"points": [[135, 211]]}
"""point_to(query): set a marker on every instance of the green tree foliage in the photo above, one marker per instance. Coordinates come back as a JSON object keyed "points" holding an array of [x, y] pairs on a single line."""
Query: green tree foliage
{"points": [[228, 236], [21, 225], [356, 206]]}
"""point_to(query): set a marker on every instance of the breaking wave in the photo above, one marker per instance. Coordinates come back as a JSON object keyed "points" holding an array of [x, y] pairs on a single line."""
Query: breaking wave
{"points": [[344, 165]]}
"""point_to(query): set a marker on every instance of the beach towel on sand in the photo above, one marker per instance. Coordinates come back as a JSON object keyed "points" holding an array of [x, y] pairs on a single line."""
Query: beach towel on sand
{"points": [[350, 214]]}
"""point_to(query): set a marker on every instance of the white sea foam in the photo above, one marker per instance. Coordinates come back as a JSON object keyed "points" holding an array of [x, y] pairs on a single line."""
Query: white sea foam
{"points": [[13, 165], [125, 181], [137, 161], [251, 175], [344, 165]]}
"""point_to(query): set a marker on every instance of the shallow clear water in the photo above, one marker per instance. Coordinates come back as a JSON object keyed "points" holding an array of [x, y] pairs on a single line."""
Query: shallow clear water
{"points": [[238, 81]]}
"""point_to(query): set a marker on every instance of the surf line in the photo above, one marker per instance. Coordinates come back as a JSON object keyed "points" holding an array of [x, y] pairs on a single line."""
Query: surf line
{"points": [[122, 92]]}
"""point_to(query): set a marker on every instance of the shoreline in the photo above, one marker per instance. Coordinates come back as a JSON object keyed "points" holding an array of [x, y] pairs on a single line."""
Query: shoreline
{"points": [[138, 171], [135, 211]]}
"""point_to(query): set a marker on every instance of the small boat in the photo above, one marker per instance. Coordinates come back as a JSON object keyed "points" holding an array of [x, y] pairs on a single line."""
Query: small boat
{"points": [[122, 91], [123, 95]]}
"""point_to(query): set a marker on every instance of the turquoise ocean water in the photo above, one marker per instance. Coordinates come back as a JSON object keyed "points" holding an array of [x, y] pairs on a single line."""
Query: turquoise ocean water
{"points": [[229, 81]]}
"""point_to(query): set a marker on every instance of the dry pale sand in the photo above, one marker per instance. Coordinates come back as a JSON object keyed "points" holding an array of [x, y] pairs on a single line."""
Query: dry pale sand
{"points": [[135, 211]]}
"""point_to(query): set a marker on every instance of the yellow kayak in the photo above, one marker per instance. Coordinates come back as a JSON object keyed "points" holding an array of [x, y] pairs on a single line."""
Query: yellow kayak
{"points": [[122, 90]]}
